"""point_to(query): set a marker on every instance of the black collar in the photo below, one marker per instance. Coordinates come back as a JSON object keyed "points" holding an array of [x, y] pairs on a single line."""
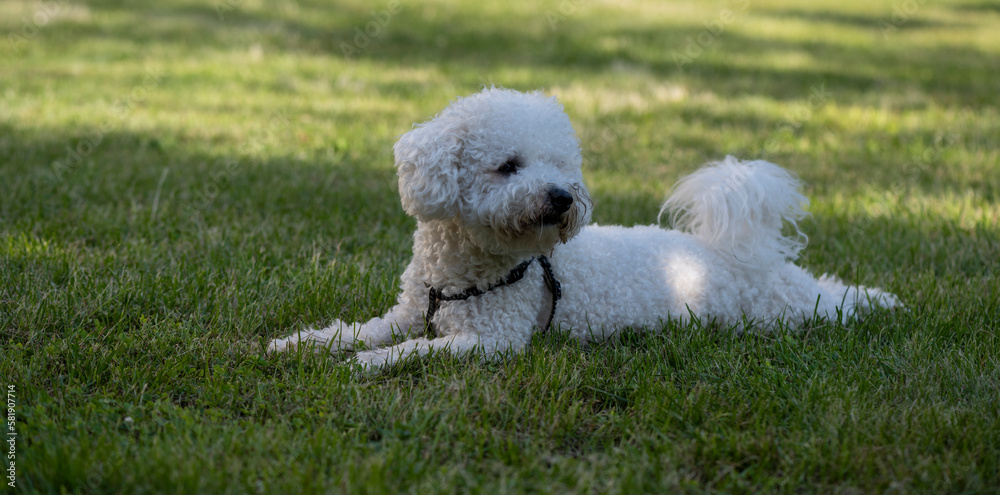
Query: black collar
{"points": [[436, 296]]}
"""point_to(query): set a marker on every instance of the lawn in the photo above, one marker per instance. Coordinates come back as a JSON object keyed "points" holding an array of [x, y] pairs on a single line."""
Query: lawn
{"points": [[181, 181]]}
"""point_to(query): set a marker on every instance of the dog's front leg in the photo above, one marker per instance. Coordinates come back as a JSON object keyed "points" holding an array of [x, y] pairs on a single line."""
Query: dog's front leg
{"points": [[404, 318], [458, 345], [465, 330]]}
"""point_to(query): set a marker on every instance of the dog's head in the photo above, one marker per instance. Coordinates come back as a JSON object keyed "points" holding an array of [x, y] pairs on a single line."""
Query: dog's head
{"points": [[505, 165]]}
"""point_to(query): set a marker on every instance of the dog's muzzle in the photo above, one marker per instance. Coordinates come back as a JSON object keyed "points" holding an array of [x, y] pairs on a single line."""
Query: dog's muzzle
{"points": [[558, 202]]}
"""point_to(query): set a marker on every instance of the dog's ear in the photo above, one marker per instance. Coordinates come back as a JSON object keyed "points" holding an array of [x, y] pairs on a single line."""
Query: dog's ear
{"points": [[427, 163]]}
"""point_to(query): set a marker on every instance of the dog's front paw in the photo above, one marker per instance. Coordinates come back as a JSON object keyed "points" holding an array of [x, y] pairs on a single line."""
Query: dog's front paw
{"points": [[372, 361], [282, 345], [328, 339]]}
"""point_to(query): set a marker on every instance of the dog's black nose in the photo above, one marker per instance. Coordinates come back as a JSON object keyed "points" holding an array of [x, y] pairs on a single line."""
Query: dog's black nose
{"points": [[560, 199]]}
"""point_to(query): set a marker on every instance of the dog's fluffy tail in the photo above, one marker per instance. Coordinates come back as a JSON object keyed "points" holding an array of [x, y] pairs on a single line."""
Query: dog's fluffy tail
{"points": [[749, 209]]}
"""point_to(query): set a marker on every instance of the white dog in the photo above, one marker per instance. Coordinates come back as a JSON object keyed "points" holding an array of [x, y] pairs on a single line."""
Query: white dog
{"points": [[503, 249]]}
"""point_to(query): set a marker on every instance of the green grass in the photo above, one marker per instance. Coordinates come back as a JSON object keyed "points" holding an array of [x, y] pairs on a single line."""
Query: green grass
{"points": [[235, 182]]}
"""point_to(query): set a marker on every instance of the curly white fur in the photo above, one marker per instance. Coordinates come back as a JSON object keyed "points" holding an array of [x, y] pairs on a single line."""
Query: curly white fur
{"points": [[496, 178]]}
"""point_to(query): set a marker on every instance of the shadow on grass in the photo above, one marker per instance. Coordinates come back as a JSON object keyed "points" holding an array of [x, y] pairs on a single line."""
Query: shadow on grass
{"points": [[145, 199], [138, 229], [986, 6], [268, 215], [459, 43], [857, 20]]}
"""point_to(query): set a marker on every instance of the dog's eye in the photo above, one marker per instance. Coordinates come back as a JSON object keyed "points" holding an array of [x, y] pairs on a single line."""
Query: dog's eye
{"points": [[510, 166]]}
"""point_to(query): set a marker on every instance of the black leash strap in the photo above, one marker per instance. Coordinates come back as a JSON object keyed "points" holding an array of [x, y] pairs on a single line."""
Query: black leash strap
{"points": [[435, 296], [554, 287]]}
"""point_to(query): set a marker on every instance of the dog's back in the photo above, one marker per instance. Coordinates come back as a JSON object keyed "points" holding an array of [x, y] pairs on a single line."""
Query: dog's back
{"points": [[728, 261]]}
